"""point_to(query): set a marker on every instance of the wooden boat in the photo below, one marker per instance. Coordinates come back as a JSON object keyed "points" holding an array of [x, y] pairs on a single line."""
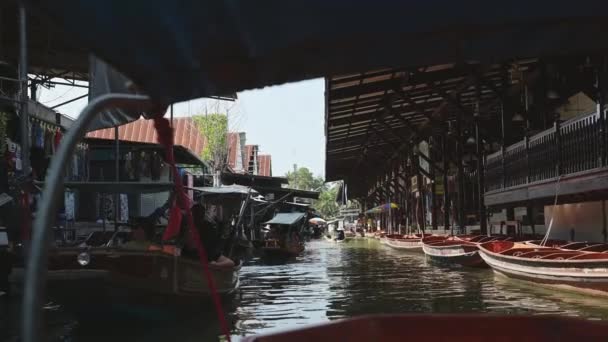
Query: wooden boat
{"points": [[390, 328], [411, 243], [153, 272], [462, 249], [283, 239], [582, 271], [274, 248]]}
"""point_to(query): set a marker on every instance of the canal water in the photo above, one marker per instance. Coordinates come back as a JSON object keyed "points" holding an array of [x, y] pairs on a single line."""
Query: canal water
{"points": [[329, 281]]}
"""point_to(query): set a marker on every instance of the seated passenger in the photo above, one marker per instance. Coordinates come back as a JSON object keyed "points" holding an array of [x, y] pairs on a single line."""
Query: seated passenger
{"points": [[209, 236]]}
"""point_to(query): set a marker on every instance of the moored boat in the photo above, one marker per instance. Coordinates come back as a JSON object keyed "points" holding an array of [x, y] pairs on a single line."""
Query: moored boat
{"points": [[156, 272], [410, 243], [461, 250], [581, 271]]}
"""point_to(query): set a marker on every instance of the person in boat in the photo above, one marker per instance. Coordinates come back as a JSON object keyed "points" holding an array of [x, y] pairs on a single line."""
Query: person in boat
{"points": [[209, 233], [141, 237], [341, 235]]}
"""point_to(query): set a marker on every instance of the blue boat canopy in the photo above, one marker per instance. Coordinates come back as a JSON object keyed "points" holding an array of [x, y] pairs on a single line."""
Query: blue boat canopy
{"points": [[179, 50], [286, 218]]}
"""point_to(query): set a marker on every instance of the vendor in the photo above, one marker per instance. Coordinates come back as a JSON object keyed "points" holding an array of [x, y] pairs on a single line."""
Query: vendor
{"points": [[209, 235]]}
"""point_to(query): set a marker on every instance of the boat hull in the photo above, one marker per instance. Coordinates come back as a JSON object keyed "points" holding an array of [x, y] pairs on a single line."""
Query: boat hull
{"points": [[137, 274], [406, 245], [454, 255], [585, 276], [282, 252]]}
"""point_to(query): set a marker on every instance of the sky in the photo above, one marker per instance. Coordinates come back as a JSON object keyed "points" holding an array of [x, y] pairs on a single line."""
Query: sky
{"points": [[286, 121]]}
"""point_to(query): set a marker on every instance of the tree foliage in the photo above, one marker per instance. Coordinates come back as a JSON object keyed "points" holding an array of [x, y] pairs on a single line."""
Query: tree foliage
{"points": [[326, 204], [302, 179], [214, 128]]}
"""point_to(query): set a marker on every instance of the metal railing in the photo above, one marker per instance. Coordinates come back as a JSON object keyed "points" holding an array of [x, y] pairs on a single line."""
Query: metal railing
{"points": [[569, 147]]}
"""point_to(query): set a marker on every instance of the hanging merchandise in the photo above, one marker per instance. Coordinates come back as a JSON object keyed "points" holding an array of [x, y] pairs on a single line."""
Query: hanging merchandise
{"points": [[156, 166], [58, 136], [3, 132], [124, 208], [70, 205]]}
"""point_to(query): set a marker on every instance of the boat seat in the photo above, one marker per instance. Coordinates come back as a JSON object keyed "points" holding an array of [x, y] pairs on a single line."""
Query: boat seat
{"points": [[560, 255], [601, 247]]}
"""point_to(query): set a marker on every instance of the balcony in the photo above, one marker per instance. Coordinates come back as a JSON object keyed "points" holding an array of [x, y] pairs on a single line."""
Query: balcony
{"points": [[573, 152]]}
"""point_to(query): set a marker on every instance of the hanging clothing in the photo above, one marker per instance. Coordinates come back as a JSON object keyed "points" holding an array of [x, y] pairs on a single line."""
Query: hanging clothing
{"points": [[58, 137], [124, 208], [70, 206], [156, 166]]}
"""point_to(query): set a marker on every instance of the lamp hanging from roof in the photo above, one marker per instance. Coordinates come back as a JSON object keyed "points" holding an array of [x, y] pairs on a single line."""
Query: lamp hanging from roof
{"points": [[517, 117]]}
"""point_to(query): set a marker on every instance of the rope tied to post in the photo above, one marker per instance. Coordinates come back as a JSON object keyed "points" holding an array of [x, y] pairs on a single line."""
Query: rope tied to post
{"points": [[548, 232]]}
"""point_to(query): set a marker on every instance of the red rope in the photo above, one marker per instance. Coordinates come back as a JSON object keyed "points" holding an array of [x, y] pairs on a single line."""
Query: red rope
{"points": [[165, 138]]}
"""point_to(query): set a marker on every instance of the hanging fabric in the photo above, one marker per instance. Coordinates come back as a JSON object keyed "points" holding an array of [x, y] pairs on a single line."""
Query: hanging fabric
{"points": [[124, 208], [70, 204]]}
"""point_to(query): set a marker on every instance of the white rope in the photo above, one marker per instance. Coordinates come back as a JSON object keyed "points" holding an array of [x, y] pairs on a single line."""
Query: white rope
{"points": [[546, 238]]}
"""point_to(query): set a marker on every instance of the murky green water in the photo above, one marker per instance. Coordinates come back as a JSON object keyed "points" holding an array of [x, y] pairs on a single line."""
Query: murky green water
{"points": [[329, 281]]}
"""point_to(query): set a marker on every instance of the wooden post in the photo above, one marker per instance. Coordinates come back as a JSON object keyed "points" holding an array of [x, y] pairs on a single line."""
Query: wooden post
{"points": [[459, 158], [480, 180], [446, 196], [558, 146], [433, 186], [602, 118]]}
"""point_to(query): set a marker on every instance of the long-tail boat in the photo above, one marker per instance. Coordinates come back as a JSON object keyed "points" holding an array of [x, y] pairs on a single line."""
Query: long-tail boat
{"points": [[461, 250], [579, 270], [409, 243], [283, 240]]}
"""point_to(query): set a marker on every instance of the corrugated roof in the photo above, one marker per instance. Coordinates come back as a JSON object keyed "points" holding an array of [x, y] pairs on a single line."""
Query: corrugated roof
{"points": [[265, 165], [186, 133]]}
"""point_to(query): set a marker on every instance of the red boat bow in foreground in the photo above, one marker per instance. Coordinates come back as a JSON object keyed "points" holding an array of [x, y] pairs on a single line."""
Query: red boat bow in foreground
{"points": [[451, 328]]}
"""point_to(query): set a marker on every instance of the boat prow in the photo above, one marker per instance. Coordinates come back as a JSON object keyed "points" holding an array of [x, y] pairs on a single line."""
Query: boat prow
{"points": [[395, 328]]}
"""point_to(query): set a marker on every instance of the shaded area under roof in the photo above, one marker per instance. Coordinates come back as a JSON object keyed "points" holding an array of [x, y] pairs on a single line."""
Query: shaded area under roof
{"points": [[251, 180], [281, 192], [182, 155], [286, 218], [179, 50]]}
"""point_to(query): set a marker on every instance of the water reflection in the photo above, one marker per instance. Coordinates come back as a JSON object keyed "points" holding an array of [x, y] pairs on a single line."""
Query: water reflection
{"points": [[333, 281], [329, 281]]}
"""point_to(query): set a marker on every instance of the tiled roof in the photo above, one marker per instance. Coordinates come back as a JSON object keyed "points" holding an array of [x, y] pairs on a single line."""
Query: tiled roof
{"points": [[265, 165], [186, 133]]}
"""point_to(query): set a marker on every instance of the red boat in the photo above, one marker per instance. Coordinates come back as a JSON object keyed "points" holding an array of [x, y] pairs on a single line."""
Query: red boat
{"points": [[444, 328], [461, 250], [579, 270]]}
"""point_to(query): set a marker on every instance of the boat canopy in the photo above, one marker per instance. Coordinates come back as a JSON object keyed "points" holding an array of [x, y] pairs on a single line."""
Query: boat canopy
{"points": [[117, 187], [225, 190], [179, 50], [286, 218], [382, 208]]}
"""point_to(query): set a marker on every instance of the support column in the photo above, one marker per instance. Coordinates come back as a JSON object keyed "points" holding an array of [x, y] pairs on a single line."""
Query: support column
{"points": [[433, 186], [602, 117], [446, 195], [117, 178], [459, 157], [23, 100], [480, 181]]}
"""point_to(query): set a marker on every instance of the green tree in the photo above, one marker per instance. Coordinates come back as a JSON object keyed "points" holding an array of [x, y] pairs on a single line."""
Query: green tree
{"points": [[214, 128], [302, 179], [326, 204]]}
